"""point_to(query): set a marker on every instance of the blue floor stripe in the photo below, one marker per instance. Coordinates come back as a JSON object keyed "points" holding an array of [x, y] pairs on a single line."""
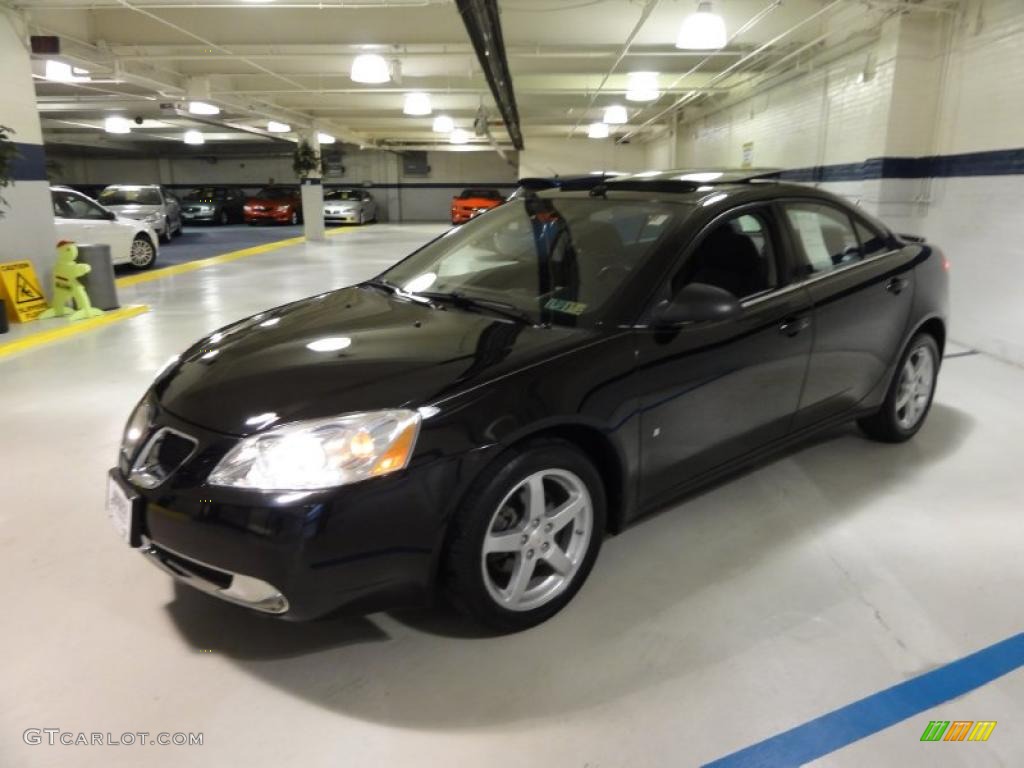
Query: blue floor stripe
{"points": [[877, 712]]}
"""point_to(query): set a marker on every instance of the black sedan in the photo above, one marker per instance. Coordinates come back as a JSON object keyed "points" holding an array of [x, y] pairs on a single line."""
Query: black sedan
{"points": [[213, 205], [475, 420]]}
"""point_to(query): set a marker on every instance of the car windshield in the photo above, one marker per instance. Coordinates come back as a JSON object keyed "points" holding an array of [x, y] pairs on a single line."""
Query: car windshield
{"points": [[344, 194], [487, 194], [201, 194], [130, 196], [275, 193], [556, 260]]}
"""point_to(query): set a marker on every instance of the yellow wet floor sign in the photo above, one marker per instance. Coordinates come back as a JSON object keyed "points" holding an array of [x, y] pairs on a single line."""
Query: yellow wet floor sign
{"points": [[20, 290]]}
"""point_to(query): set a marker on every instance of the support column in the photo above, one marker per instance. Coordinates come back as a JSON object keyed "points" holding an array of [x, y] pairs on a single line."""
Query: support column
{"points": [[313, 196], [26, 228]]}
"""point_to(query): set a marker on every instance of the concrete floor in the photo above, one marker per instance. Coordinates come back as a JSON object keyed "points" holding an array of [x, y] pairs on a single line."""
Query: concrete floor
{"points": [[811, 582]]}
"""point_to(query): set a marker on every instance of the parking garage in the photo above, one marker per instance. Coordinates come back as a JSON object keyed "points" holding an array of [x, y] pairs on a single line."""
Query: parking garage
{"points": [[608, 383]]}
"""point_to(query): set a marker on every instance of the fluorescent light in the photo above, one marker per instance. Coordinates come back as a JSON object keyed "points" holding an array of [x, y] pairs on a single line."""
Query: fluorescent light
{"points": [[117, 125], [194, 137], [417, 103], [702, 176], [703, 30], [275, 127], [325, 138], [330, 344], [370, 68], [202, 108], [443, 124], [458, 136], [615, 115], [59, 72], [597, 131], [642, 86]]}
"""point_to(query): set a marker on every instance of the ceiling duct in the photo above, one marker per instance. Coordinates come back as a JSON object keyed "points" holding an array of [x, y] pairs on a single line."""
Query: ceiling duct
{"points": [[483, 26]]}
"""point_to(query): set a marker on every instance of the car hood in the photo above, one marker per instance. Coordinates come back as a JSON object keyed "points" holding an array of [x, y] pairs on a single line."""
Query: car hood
{"points": [[476, 202], [135, 211], [355, 349], [270, 201]]}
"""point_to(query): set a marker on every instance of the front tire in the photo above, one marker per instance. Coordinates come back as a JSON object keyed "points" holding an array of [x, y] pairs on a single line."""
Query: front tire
{"points": [[142, 254], [525, 538], [910, 395]]}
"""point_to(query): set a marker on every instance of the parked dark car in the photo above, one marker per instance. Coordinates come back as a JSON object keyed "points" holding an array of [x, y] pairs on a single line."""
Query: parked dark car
{"points": [[213, 205], [274, 204], [475, 419]]}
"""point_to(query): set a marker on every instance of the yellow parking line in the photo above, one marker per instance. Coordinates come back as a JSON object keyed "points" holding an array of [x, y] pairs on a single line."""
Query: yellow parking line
{"points": [[71, 329], [212, 261]]}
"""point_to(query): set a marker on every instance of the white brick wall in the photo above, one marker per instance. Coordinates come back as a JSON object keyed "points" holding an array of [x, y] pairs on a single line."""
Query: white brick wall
{"points": [[930, 90]]}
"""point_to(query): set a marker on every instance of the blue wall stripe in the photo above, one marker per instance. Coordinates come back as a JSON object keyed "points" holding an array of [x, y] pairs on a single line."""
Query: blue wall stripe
{"points": [[998, 162], [29, 164], [881, 710]]}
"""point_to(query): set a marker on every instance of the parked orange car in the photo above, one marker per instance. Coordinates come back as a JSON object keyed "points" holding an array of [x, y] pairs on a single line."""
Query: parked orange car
{"points": [[473, 201], [278, 204]]}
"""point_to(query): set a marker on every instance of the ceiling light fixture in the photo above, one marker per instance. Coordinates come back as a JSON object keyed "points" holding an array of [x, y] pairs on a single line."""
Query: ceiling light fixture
{"points": [[458, 136], [703, 30], [597, 131], [275, 127], [59, 72], [417, 103], [194, 137], [325, 138], [443, 124], [642, 86], [370, 68], [117, 125], [615, 115], [202, 108]]}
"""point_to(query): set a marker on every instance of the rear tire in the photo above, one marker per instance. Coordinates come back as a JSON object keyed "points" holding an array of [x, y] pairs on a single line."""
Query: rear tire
{"points": [[223, 218], [526, 536], [910, 395]]}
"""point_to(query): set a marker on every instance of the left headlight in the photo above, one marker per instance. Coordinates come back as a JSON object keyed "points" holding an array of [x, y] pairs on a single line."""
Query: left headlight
{"points": [[136, 428], [322, 453]]}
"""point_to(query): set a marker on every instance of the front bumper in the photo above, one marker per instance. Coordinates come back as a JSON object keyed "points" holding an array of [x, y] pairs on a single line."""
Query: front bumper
{"points": [[199, 216], [279, 217], [349, 217], [299, 555]]}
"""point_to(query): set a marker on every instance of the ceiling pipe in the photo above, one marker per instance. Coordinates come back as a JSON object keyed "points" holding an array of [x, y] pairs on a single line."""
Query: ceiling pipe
{"points": [[483, 25], [729, 70], [644, 14], [343, 133]]}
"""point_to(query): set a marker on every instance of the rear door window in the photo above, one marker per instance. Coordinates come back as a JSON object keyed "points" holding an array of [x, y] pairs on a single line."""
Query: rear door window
{"points": [[824, 237]]}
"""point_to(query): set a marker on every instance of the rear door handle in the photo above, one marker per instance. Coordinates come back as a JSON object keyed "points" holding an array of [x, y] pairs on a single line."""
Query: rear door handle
{"points": [[791, 326], [896, 285]]}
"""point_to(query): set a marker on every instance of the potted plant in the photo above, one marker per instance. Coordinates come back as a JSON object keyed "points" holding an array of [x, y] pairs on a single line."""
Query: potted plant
{"points": [[8, 151], [306, 160]]}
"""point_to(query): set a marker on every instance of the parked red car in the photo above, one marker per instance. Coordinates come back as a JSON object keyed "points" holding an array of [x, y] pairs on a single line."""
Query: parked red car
{"points": [[472, 202], [278, 205]]}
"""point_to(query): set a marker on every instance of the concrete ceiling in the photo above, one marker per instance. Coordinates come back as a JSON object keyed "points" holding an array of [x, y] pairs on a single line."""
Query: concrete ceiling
{"points": [[289, 61]]}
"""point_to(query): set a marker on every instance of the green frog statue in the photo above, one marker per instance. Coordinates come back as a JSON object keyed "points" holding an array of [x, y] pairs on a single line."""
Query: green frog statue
{"points": [[66, 286]]}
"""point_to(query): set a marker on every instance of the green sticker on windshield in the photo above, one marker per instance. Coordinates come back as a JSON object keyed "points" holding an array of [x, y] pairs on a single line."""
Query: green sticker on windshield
{"points": [[568, 307]]}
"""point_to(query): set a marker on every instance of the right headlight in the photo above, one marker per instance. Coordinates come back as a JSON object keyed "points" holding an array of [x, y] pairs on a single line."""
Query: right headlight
{"points": [[322, 453]]}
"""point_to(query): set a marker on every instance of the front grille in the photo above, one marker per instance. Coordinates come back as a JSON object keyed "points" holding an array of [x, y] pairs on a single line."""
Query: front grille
{"points": [[161, 456]]}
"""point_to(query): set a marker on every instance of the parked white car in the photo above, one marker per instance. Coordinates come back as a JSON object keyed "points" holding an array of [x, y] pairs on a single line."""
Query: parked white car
{"points": [[349, 206], [86, 222]]}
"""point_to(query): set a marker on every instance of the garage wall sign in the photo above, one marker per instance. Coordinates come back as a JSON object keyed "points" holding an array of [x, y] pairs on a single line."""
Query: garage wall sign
{"points": [[22, 295]]}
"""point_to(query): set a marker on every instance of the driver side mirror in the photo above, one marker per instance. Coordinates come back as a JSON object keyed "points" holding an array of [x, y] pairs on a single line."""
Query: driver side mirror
{"points": [[696, 303], [109, 215]]}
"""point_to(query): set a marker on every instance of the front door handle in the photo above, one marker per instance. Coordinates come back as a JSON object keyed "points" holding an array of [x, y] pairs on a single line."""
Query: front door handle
{"points": [[896, 285], [791, 326]]}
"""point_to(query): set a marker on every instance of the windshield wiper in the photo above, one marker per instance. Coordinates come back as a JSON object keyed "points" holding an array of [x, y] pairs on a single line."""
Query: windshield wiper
{"points": [[476, 302], [380, 282]]}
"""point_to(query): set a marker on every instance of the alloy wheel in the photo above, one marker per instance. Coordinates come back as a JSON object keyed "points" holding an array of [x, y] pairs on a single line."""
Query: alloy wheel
{"points": [[142, 252], [537, 539], [914, 390]]}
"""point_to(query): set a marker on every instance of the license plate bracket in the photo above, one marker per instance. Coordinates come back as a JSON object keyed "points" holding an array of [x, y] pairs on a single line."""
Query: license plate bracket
{"points": [[124, 508]]}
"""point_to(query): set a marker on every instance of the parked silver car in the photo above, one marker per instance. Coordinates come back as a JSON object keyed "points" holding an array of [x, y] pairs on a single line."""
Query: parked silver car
{"points": [[146, 202], [349, 206]]}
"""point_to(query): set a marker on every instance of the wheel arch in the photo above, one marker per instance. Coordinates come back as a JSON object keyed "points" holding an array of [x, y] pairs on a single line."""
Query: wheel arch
{"points": [[934, 327]]}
